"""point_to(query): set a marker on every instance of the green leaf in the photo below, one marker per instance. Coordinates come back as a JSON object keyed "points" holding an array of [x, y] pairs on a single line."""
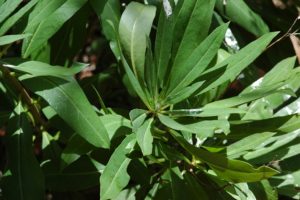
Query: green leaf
{"points": [[111, 13], [41, 12], [7, 8], [135, 83], [137, 117], [11, 21], [115, 177], [256, 93], [247, 143], [80, 175], [98, 5], [116, 125], [7, 39], [144, 137], [269, 146], [238, 11], [135, 26], [202, 129], [37, 68], [48, 27], [205, 112], [231, 170], [196, 62], [68, 100], [26, 177], [188, 35], [219, 74], [184, 93], [163, 44]]}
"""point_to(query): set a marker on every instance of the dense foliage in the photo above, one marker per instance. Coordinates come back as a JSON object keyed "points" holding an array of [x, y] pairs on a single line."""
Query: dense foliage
{"points": [[157, 99]]}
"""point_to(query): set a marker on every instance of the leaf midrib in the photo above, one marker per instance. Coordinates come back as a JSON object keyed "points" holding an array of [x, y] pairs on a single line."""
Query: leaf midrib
{"points": [[74, 105]]}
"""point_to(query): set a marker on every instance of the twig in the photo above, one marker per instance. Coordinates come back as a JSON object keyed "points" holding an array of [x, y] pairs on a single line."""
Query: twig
{"points": [[285, 35]]}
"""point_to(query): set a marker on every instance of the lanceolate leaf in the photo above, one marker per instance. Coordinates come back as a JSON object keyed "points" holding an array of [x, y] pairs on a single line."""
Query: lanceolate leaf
{"points": [[134, 28], [68, 100], [144, 137], [115, 177], [47, 28], [26, 178], [7, 8], [232, 170], [7, 39], [17, 16], [36, 68], [239, 12], [202, 128], [163, 44], [236, 63], [185, 72], [188, 35]]}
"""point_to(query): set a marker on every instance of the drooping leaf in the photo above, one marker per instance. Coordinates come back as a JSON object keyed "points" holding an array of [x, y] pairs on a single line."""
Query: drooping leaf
{"points": [[232, 170], [115, 177], [135, 26], [67, 98], [26, 177]]}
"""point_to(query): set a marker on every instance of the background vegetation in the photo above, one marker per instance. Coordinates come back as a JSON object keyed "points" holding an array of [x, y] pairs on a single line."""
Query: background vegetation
{"points": [[157, 99]]}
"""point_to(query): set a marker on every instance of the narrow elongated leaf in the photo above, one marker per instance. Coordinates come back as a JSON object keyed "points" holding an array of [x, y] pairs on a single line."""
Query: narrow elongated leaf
{"points": [[17, 16], [7, 8], [26, 175], [239, 12], [247, 97], [184, 93], [205, 112], [272, 144], [248, 143], [68, 100], [135, 83], [111, 12], [98, 6], [144, 137], [41, 12], [163, 44], [232, 170], [134, 28], [115, 177], [236, 63], [37, 68], [202, 128], [7, 39], [188, 34], [185, 72], [47, 28]]}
